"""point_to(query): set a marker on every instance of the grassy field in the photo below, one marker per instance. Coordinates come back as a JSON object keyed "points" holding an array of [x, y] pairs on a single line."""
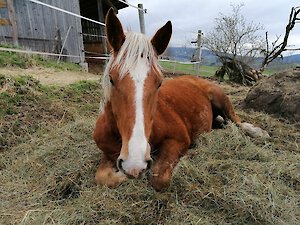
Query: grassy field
{"points": [[48, 160], [206, 71], [22, 60], [178, 67]]}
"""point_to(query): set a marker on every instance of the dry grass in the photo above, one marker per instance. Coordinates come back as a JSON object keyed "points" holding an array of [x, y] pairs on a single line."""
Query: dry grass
{"points": [[228, 178], [27, 107]]}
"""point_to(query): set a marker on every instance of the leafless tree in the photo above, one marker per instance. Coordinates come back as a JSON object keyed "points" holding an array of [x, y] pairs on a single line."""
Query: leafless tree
{"points": [[235, 42], [276, 48], [233, 36]]}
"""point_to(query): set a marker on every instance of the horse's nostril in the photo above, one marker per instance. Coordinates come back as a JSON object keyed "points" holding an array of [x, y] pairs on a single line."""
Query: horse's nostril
{"points": [[149, 164], [119, 164]]}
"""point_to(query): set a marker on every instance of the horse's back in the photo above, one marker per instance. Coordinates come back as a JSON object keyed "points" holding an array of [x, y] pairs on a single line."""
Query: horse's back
{"points": [[220, 102], [184, 110]]}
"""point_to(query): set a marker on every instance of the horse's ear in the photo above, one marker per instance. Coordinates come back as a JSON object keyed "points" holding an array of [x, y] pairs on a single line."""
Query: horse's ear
{"points": [[162, 37], [114, 30]]}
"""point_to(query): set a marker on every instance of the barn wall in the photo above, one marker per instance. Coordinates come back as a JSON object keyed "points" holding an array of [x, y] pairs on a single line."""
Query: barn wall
{"points": [[4, 29], [43, 29]]}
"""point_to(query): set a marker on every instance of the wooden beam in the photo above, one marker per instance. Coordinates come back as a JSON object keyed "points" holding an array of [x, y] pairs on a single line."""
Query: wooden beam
{"points": [[4, 22], [13, 21], [102, 30], [3, 4]]}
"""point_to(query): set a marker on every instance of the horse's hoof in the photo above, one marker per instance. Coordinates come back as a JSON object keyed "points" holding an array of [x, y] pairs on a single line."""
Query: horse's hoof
{"points": [[255, 132], [159, 185], [160, 182], [111, 179]]}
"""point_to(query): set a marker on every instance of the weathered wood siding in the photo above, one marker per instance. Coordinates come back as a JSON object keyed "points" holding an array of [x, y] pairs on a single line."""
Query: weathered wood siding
{"points": [[44, 29]]}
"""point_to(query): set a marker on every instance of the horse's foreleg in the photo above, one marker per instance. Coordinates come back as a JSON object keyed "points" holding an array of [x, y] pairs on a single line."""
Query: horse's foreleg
{"points": [[161, 172], [107, 141], [108, 175]]}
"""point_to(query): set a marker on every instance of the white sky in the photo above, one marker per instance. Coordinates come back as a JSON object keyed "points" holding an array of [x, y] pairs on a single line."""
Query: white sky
{"points": [[189, 16]]}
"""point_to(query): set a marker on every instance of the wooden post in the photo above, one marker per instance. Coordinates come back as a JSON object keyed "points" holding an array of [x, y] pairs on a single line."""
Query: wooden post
{"points": [[197, 54], [13, 21], [102, 31], [63, 45], [141, 18], [79, 40], [59, 41]]}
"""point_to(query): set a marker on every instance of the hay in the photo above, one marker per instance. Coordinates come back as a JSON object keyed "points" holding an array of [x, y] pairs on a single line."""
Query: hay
{"points": [[27, 107], [228, 178]]}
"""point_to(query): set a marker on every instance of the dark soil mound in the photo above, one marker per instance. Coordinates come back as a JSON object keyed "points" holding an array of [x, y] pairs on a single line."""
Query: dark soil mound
{"points": [[278, 95]]}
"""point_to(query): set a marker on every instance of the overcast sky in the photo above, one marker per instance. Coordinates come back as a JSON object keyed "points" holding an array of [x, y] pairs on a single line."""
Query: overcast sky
{"points": [[189, 16]]}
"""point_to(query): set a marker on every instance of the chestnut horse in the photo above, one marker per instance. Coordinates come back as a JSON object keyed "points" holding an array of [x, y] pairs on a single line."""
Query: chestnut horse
{"points": [[147, 123]]}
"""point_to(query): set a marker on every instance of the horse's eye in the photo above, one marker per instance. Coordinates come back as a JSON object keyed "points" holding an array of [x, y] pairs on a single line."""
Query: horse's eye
{"points": [[111, 80], [159, 85]]}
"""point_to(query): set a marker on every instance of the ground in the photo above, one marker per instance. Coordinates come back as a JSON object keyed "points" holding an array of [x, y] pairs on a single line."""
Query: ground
{"points": [[49, 75], [48, 160], [277, 95]]}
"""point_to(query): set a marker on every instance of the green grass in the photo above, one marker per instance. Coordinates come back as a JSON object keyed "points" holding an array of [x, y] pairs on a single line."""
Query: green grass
{"points": [[13, 59], [47, 63], [206, 71], [178, 67], [22, 60]]}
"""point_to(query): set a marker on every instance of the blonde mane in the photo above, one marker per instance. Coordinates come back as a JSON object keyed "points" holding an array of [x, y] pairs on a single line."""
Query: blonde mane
{"points": [[135, 50]]}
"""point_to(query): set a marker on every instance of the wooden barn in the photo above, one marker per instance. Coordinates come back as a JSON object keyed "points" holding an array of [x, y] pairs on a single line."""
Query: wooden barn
{"points": [[40, 28]]}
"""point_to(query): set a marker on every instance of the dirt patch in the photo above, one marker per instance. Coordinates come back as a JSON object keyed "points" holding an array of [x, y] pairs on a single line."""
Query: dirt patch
{"points": [[277, 95], [50, 76]]}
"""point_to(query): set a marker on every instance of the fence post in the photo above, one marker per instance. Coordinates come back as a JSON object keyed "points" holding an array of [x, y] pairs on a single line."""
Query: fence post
{"points": [[141, 18], [197, 54]]}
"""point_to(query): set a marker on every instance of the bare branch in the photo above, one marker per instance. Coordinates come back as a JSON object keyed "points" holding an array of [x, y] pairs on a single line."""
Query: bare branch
{"points": [[233, 36], [235, 42], [291, 49], [277, 49]]}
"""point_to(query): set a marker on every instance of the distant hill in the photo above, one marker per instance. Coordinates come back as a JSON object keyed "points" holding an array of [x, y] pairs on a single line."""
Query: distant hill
{"points": [[291, 59], [185, 54]]}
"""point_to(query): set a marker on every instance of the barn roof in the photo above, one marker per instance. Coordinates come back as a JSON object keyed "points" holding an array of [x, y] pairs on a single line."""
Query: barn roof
{"points": [[118, 4], [89, 10]]}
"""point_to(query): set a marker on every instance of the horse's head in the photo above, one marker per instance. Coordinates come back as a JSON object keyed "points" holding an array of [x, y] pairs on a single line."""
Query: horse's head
{"points": [[131, 82]]}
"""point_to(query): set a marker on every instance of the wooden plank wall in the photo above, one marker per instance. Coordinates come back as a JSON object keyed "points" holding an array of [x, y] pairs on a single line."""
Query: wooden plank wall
{"points": [[38, 27]]}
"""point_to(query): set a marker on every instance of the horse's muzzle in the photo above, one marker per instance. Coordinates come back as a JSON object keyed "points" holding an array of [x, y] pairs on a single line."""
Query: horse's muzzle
{"points": [[135, 172]]}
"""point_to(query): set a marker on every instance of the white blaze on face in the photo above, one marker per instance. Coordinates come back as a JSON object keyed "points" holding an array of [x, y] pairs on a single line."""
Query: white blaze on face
{"points": [[138, 143]]}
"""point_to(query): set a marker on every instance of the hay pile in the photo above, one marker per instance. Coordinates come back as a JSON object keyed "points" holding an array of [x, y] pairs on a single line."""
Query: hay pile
{"points": [[228, 178], [27, 107], [24, 110]]}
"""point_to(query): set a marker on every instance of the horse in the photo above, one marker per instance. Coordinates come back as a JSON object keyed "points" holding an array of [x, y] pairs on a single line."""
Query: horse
{"points": [[149, 123]]}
